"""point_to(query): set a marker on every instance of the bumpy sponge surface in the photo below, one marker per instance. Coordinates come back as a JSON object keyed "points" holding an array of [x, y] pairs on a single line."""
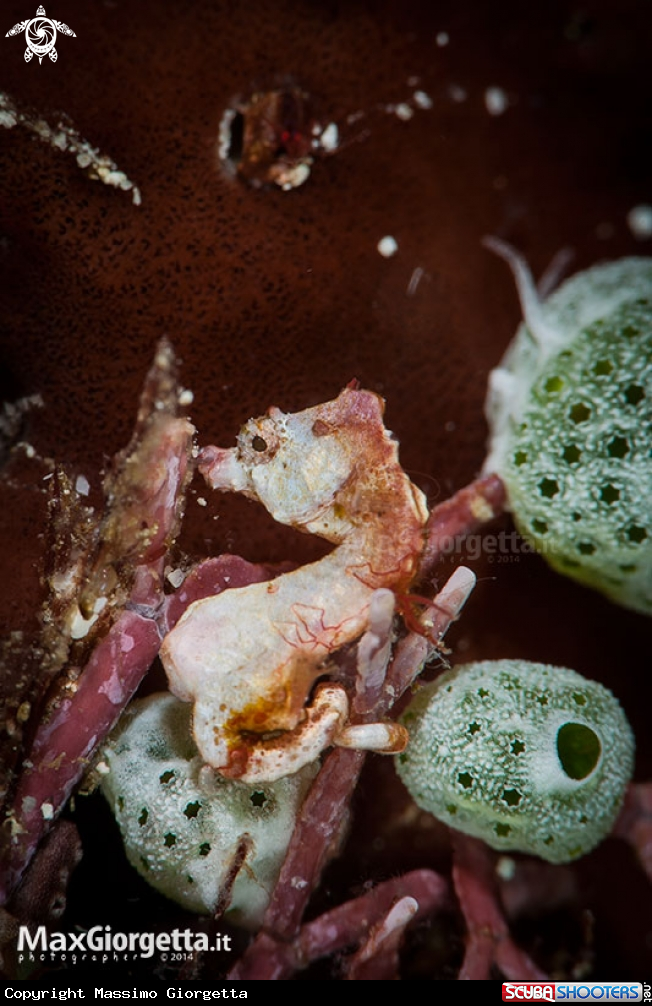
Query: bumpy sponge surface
{"points": [[528, 757], [571, 414], [181, 822]]}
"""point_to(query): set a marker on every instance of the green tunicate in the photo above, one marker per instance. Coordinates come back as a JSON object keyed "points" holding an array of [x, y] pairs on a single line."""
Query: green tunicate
{"points": [[528, 757], [570, 410], [182, 823]]}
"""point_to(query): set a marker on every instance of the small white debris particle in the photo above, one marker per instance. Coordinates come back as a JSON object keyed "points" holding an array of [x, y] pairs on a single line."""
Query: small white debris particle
{"points": [[224, 134], [639, 221], [47, 811], [8, 119], [403, 111], [24, 709], [79, 627], [457, 93], [422, 100], [186, 397], [82, 485], [416, 277], [292, 176], [298, 883], [30, 452], [506, 868], [330, 138], [496, 101], [442, 39], [387, 246], [127, 644], [102, 768], [201, 501], [176, 577], [64, 137]]}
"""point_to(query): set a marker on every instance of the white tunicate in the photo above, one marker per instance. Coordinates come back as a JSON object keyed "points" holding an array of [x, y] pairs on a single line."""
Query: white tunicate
{"points": [[182, 825], [528, 757]]}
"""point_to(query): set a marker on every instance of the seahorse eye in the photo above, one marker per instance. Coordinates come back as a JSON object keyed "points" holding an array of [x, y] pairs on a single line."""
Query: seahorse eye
{"points": [[259, 444]]}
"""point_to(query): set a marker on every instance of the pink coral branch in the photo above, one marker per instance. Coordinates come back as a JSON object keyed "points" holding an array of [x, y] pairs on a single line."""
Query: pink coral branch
{"points": [[377, 958], [323, 818], [144, 499], [467, 510], [343, 926], [488, 938], [65, 743], [211, 577], [271, 959]]}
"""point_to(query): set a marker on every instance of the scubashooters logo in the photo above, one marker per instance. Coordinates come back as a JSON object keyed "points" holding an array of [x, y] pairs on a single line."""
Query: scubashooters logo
{"points": [[100, 943], [40, 35]]}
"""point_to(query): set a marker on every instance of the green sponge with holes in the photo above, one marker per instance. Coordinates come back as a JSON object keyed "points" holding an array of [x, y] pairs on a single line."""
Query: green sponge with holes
{"points": [[528, 757], [182, 823], [570, 410]]}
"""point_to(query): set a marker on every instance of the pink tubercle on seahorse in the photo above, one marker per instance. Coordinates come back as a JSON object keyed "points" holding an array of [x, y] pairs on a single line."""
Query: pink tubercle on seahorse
{"points": [[249, 657]]}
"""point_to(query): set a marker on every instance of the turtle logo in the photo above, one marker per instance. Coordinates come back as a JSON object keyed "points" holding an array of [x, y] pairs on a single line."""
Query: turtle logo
{"points": [[40, 35]]}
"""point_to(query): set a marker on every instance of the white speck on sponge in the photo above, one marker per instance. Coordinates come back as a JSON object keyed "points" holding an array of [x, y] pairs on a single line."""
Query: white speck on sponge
{"points": [[387, 246], [639, 221], [442, 39]]}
